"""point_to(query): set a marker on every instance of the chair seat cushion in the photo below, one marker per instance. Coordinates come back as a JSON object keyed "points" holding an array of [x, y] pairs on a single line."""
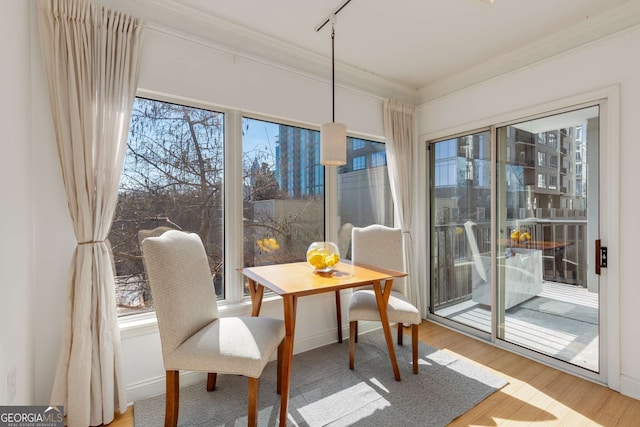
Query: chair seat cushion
{"points": [[363, 306], [233, 345]]}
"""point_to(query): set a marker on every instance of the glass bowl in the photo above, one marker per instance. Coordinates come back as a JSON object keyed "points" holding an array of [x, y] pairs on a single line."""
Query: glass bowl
{"points": [[323, 256]]}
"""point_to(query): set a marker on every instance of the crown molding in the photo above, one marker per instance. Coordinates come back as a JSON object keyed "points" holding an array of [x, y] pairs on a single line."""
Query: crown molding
{"points": [[619, 19], [174, 16]]}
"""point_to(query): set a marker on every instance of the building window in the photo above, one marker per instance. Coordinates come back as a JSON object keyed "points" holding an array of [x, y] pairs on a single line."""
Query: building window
{"points": [[359, 163], [378, 159], [283, 192], [553, 140], [446, 173], [542, 158], [172, 177], [357, 144], [446, 149], [542, 180]]}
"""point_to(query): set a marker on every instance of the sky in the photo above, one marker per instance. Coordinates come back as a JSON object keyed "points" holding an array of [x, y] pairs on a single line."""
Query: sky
{"points": [[259, 135]]}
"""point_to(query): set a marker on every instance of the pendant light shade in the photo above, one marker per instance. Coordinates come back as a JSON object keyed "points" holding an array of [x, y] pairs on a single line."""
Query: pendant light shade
{"points": [[333, 136], [333, 144]]}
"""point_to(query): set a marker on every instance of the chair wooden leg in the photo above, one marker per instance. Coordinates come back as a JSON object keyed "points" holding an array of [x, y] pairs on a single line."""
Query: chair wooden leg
{"points": [[414, 347], [400, 333], [356, 338], [253, 402], [173, 399], [211, 381], [279, 356], [353, 334], [339, 315]]}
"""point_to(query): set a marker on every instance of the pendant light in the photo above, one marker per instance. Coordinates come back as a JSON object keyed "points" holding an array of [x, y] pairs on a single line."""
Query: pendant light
{"points": [[333, 136]]}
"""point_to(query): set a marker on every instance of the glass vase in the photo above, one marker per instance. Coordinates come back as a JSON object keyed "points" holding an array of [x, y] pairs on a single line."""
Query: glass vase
{"points": [[323, 256]]}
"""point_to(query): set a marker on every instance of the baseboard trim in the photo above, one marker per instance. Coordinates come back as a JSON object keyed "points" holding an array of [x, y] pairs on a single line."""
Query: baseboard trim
{"points": [[630, 387], [155, 386]]}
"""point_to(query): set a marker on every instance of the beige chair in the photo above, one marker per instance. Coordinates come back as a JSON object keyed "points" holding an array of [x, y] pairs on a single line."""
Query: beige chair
{"points": [[381, 246], [192, 334], [155, 232], [143, 234]]}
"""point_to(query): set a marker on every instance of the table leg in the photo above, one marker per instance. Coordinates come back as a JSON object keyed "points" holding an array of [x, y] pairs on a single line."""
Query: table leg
{"points": [[290, 303], [339, 315], [382, 297], [256, 291]]}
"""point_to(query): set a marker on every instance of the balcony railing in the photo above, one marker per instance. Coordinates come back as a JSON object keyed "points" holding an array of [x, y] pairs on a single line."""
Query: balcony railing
{"points": [[452, 261]]}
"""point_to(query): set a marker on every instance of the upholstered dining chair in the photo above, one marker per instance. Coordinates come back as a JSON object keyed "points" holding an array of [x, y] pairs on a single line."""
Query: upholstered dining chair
{"points": [[143, 234], [154, 232], [381, 246], [193, 336]]}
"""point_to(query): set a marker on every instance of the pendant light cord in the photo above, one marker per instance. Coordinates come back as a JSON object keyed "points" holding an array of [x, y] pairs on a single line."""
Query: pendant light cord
{"points": [[333, 74]]}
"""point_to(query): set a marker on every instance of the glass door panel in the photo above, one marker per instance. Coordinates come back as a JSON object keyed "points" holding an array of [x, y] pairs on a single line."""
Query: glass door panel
{"points": [[461, 229], [548, 299]]}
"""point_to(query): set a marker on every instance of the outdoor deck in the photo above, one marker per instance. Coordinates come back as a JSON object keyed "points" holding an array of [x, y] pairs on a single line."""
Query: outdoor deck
{"points": [[561, 321]]}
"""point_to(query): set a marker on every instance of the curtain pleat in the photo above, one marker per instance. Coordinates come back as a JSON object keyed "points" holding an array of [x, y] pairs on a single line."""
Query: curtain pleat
{"points": [[399, 130], [91, 57]]}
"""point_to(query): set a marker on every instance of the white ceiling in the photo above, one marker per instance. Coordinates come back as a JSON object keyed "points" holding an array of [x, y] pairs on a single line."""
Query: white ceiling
{"points": [[409, 44]]}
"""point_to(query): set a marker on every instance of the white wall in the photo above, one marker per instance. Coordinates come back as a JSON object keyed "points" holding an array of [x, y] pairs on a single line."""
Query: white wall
{"points": [[191, 69], [611, 61], [16, 226]]}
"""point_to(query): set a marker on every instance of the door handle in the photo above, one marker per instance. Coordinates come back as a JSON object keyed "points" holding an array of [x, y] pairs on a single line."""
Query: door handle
{"points": [[598, 257], [602, 257]]}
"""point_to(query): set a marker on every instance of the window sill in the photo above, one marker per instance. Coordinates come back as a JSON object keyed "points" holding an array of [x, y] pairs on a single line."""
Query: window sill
{"points": [[146, 323]]}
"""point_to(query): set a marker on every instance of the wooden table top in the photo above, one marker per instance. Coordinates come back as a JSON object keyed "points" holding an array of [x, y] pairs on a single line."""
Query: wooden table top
{"points": [[299, 279]]}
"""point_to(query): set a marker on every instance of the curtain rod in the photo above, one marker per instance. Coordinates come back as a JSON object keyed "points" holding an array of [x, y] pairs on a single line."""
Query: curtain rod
{"points": [[328, 18]]}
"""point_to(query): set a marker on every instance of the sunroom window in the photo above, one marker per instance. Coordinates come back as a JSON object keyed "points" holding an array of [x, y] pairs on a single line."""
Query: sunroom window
{"points": [[172, 177], [174, 174]]}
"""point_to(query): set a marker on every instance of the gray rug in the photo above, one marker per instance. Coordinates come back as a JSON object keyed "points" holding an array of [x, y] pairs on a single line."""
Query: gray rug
{"points": [[325, 392]]}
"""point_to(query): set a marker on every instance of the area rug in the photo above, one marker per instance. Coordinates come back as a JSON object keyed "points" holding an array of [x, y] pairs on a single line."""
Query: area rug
{"points": [[325, 392]]}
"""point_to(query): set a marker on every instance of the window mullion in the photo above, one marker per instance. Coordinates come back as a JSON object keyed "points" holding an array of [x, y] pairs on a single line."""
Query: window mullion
{"points": [[233, 206]]}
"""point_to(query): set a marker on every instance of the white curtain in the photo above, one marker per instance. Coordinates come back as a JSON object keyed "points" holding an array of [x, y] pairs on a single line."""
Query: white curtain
{"points": [[399, 130], [377, 197], [91, 60]]}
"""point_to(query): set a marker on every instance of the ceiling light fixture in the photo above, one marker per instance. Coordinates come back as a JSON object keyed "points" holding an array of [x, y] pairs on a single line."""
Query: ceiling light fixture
{"points": [[333, 136]]}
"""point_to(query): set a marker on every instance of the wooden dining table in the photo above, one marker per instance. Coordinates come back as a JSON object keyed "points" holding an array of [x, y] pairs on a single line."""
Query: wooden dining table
{"points": [[298, 279]]}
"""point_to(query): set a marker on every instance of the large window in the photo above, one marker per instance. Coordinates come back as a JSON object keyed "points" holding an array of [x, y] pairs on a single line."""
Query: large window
{"points": [[283, 192], [172, 177]]}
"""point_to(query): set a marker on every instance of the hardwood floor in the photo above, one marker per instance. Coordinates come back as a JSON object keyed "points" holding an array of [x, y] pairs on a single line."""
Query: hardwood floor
{"points": [[536, 394]]}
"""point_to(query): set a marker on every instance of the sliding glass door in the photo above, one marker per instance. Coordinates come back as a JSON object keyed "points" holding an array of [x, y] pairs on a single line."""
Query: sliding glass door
{"points": [[510, 249], [461, 228], [546, 226]]}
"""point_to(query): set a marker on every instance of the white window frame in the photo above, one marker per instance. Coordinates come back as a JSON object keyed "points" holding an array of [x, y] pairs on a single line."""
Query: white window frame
{"points": [[235, 302]]}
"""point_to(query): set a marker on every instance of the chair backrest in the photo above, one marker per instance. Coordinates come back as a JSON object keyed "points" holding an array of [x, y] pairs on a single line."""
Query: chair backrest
{"points": [[381, 246], [181, 285], [475, 252], [158, 231]]}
